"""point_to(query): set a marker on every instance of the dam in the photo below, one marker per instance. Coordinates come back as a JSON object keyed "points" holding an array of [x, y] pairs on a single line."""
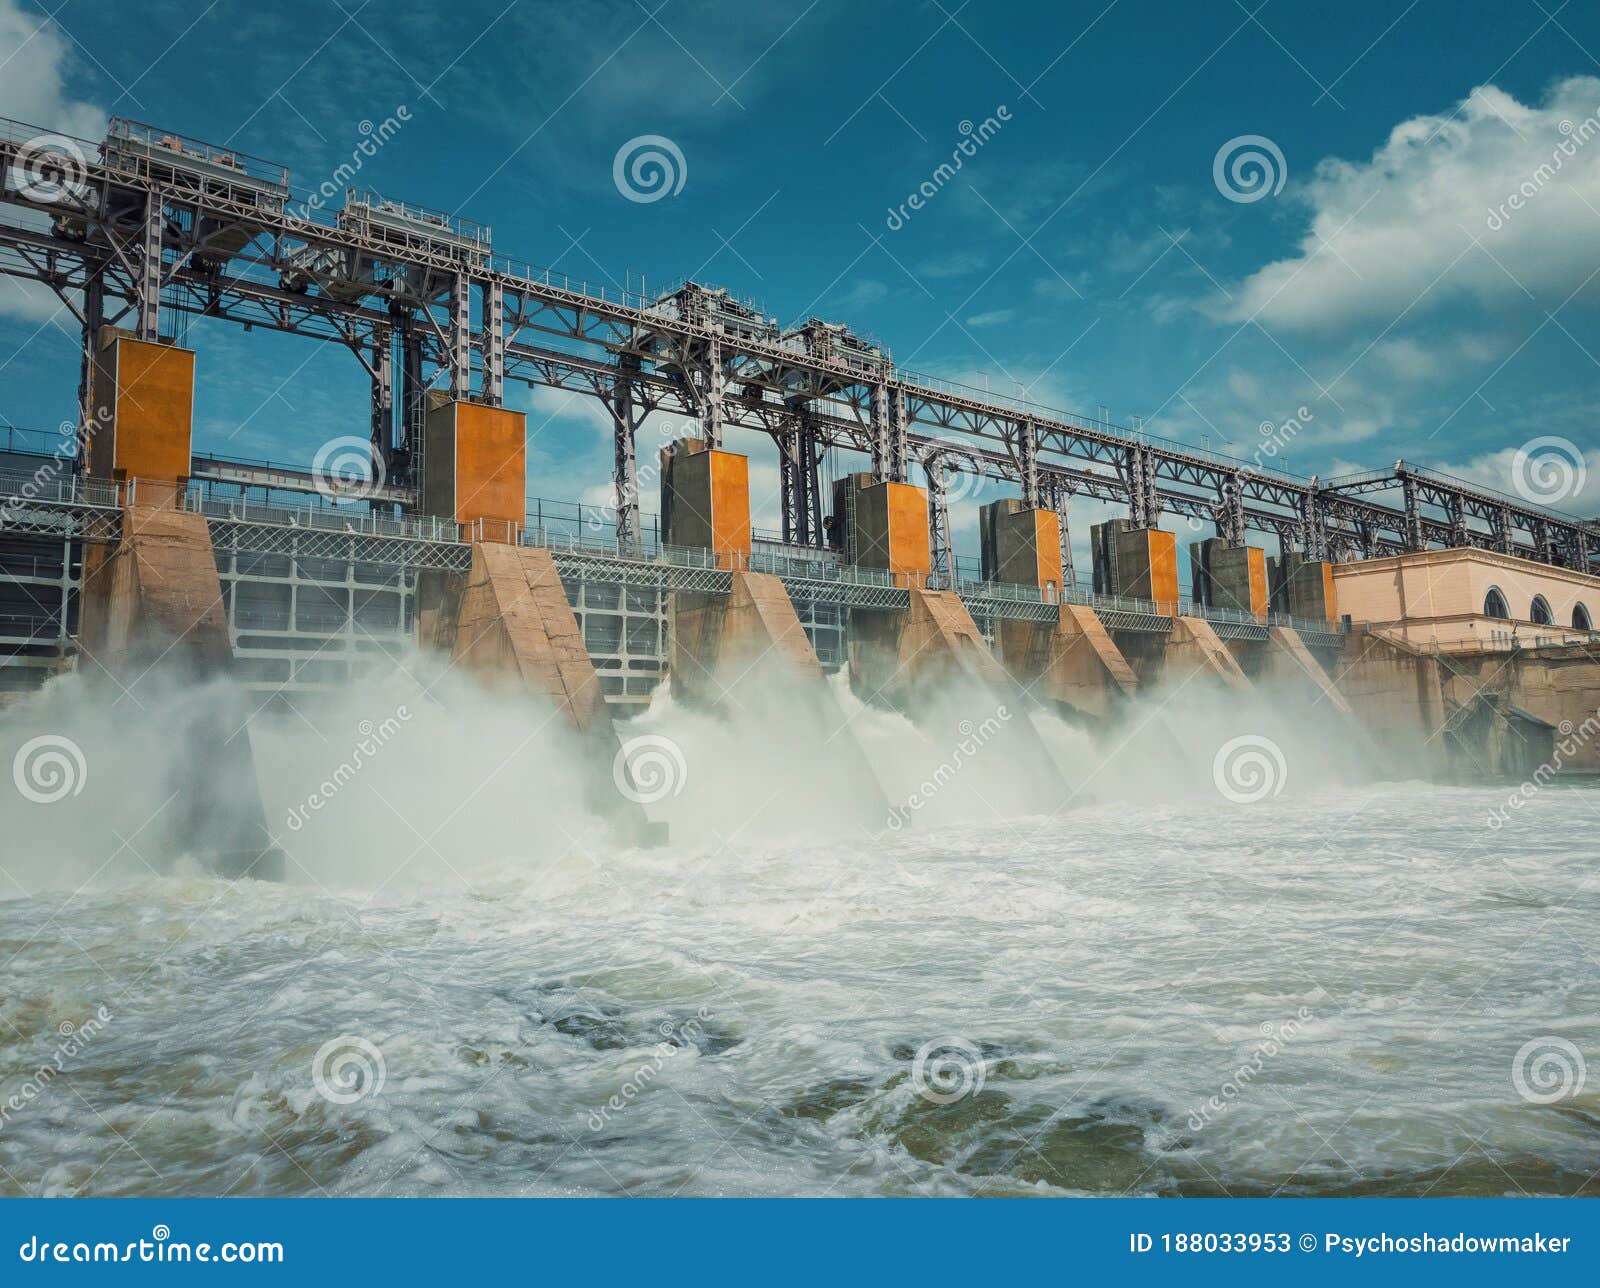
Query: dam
{"points": [[122, 543], [975, 895]]}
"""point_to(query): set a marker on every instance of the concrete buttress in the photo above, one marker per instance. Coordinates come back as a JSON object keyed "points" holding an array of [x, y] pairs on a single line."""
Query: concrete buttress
{"points": [[507, 622]]}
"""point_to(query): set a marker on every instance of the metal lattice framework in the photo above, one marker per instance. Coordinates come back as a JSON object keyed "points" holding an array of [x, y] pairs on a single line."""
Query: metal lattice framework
{"points": [[144, 226]]}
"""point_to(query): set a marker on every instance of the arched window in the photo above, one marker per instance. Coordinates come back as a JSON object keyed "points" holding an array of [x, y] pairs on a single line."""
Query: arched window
{"points": [[1494, 604], [1580, 618], [1539, 612]]}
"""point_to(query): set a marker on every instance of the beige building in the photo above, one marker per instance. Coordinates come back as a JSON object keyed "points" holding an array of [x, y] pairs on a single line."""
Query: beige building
{"points": [[1469, 600]]}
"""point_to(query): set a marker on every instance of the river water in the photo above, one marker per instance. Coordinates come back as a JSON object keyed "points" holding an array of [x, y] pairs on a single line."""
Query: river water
{"points": [[1150, 985]]}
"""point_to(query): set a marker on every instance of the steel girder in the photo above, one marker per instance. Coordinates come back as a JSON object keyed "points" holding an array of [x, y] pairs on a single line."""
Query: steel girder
{"points": [[137, 229]]}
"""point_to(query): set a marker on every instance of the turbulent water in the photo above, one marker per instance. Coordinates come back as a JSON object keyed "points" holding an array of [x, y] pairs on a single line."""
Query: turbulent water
{"points": [[1144, 985]]}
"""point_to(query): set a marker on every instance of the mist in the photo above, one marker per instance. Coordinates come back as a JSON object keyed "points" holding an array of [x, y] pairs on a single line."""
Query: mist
{"points": [[414, 776]]}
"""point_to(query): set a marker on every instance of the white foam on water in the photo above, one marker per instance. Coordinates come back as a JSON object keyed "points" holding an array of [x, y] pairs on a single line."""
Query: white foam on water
{"points": [[1160, 989]]}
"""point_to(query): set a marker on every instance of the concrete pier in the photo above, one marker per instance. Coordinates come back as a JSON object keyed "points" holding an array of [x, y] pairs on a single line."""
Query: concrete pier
{"points": [[1228, 574], [476, 468], [1286, 661], [1194, 651], [1303, 587], [1021, 545], [508, 624], [1072, 662], [883, 524], [142, 398], [746, 653], [155, 601], [155, 595], [1398, 693], [1138, 563], [720, 642], [705, 500]]}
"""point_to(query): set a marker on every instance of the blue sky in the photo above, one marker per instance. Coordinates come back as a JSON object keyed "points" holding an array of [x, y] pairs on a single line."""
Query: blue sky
{"points": [[1085, 252]]}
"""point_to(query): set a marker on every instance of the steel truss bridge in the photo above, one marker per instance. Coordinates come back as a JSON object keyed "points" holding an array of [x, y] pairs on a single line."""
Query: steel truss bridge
{"points": [[146, 226]]}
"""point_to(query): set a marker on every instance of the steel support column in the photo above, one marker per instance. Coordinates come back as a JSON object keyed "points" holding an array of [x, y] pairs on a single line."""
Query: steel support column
{"points": [[94, 316], [1413, 534], [879, 426], [1028, 462], [798, 484], [149, 304], [1061, 500], [624, 455], [382, 365], [944, 562], [899, 437], [1455, 511], [494, 344], [1144, 504], [1542, 541], [711, 409], [1313, 525], [461, 338], [1230, 509], [413, 399], [1500, 530]]}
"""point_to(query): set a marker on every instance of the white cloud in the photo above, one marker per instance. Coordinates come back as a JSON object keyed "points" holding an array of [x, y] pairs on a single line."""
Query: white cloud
{"points": [[994, 317], [32, 302], [34, 59], [35, 55], [1549, 471], [1431, 215], [1407, 359]]}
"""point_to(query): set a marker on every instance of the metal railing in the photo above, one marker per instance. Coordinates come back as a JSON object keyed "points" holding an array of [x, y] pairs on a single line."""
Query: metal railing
{"points": [[175, 149], [320, 518], [59, 444]]}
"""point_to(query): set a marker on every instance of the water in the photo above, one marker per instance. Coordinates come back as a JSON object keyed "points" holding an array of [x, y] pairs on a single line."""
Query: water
{"points": [[468, 988]]}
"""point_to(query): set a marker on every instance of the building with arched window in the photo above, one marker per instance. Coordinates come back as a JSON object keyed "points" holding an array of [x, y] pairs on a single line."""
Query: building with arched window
{"points": [[1466, 599]]}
